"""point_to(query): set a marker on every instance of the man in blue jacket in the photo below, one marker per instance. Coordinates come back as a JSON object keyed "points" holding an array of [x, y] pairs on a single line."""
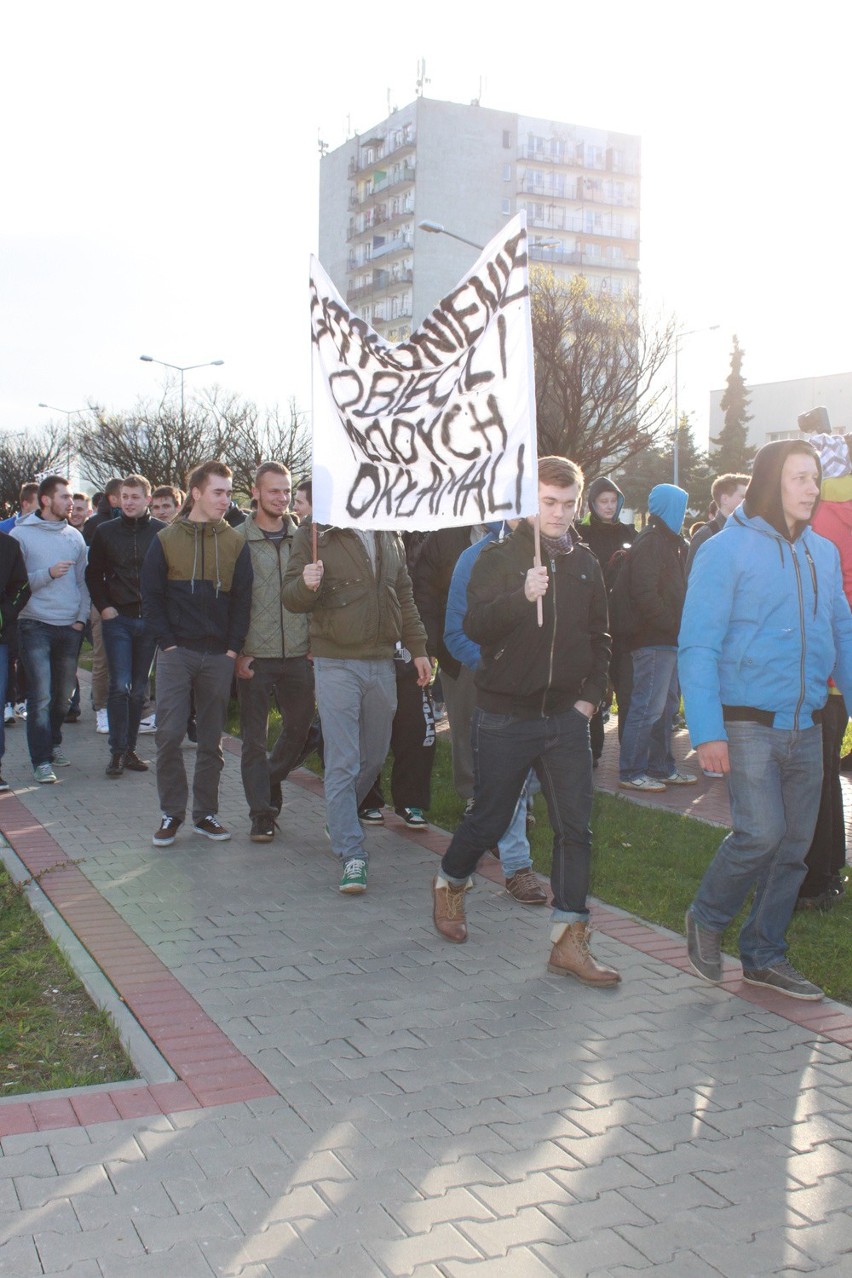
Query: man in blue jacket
{"points": [[765, 624]]}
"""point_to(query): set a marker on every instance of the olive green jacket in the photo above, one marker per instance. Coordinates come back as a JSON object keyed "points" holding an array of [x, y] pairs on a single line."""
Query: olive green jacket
{"points": [[356, 613], [273, 630]]}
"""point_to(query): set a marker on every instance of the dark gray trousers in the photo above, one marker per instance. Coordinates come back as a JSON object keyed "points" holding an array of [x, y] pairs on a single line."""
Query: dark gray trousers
{"points": [[180, 672]]}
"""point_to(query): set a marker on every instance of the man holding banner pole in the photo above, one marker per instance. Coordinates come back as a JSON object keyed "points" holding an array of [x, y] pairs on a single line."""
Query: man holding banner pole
{"points": [[357, 589], [537, 688]]}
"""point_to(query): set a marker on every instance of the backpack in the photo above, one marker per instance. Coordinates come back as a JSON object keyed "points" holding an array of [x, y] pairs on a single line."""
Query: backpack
{"points": [[622, 622]]}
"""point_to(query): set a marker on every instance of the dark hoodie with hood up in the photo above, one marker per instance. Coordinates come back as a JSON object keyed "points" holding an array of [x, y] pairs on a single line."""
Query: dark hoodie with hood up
{"points": [[603, 536], [658, 571], [765, 621]]}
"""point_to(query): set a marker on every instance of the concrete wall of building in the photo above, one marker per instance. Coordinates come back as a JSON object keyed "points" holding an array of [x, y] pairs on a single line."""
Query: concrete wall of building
{"points": [[774, 406], [460, 183]]}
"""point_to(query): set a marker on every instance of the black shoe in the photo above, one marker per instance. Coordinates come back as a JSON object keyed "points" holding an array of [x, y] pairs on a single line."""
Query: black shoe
{"points": [[4, 785], [837, 886], [115, 767], [133, 763], [822, 902], [73, 716], [276, 796], [262, 829], [704, 950], [192, 731]]}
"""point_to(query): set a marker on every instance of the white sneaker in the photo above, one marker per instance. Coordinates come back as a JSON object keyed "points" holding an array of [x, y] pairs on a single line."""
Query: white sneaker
{"points": [[679, 778], [149, 724], [649, 785], [102, 722], [21, 709], [9, 713]]}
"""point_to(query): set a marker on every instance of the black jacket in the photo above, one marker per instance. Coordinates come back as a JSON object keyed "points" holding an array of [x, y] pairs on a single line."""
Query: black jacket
{"points": [[104, 513], [657, 585], [14, 586], [713, 526], [530, 670], [431, 580], [115, 562], [604, 539]]}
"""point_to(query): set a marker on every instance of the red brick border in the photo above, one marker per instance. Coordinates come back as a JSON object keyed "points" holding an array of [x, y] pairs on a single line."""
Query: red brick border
{"points": [[210, 1070]]}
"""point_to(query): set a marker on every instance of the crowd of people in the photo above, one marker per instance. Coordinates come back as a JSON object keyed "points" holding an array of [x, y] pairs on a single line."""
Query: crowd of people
{"points": [[537, 628]]}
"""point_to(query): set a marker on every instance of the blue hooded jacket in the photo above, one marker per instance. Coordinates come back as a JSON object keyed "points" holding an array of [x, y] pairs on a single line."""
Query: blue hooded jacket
{"points": [[459, 645], [765, 622]]}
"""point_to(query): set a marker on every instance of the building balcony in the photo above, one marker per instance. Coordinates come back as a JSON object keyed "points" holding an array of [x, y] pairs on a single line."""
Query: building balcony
{"points": [[357, 166], [384, 187], [402, 245], [382, 282], [577, 257]]}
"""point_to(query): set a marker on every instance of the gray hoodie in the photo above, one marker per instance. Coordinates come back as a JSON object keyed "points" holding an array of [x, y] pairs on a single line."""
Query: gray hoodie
{"points": [[59, 601]]}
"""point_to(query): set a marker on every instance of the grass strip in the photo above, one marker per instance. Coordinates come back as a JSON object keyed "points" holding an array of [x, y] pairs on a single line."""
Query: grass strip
{"points": [[51, 1034]]}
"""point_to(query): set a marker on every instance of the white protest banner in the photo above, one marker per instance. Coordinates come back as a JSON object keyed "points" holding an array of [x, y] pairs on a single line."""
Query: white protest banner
{"points": [[439, 430]]}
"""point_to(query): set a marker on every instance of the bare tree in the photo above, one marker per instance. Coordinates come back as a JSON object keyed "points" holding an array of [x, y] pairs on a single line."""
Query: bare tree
{"points": [[597, 366], [158, 440], [25, 456], [254, 436]]}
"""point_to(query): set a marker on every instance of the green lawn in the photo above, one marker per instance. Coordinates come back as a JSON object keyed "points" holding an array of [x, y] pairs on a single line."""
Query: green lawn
{"points": [[51, 1035]]}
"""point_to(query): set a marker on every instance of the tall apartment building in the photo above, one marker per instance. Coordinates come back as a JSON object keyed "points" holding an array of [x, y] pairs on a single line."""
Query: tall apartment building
{"points": [[471, 169]]}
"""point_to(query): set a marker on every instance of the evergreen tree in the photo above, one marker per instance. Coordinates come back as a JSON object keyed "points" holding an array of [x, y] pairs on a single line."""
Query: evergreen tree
{"points": [[732, 451], [695, 474]]}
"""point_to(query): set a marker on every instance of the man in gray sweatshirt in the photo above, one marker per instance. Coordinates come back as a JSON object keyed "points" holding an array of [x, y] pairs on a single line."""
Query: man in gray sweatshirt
{"points": [[50, 627]]}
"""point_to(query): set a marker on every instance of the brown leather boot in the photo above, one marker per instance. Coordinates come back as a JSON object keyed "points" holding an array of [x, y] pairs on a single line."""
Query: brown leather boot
{"points": [[571, 956], [448, 911]]}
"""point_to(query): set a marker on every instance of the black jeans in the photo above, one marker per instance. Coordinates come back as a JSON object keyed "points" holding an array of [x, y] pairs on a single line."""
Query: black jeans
{"points": [[504, 750], [290, 680], [827, 853], [412, 745]]}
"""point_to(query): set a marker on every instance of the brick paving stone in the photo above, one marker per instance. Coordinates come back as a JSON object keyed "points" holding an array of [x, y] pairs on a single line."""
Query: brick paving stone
{"points": [[508, 1120], [19, 1258]]}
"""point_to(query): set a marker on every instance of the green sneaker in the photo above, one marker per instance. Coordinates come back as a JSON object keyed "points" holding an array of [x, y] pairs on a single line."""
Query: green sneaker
{"points": [[354, 877], [60, 760], [44, 774]]}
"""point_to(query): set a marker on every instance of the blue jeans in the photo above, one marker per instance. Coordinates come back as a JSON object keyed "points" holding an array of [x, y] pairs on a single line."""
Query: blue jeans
{"points": [[49, 654], [356, 701], [514, 847], [647, 739], [4, 678], [129, 652], [504, 749], [775, 784]]}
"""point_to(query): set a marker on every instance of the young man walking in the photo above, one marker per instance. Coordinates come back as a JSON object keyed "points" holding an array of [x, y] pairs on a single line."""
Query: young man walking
{"points": [[50, 627], [113, 576], [537, 688], [273, 663], [359, 595], [196, 599], [765, 624]]}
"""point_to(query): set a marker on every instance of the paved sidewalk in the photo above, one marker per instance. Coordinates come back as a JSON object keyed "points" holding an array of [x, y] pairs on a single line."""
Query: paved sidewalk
{"points": [[414, 1108]]}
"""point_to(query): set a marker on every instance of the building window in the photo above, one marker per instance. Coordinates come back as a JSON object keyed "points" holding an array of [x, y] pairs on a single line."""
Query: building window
{"points": [[506, 207], [507, 139], [507, 172]]}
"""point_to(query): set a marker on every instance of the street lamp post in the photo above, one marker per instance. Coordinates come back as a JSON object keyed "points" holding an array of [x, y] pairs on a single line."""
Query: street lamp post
{"points": [[435, 228], [69, 413], [181, 368], [689, 333]]}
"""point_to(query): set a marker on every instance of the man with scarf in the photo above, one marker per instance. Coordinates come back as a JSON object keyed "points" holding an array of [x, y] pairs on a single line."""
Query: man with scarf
{"points": [[537, 688], [765, 624]]}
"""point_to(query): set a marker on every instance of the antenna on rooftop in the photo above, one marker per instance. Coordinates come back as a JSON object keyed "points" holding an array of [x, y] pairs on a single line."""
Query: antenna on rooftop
{"points": [[323, 146], [422, 79]]}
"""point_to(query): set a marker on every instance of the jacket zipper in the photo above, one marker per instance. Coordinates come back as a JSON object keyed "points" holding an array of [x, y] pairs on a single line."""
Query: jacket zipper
{"points": [[802, 630], [280, 604], [552, 641]]}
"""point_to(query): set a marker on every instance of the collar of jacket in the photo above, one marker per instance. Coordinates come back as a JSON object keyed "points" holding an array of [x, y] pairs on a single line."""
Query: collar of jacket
{"points": [[254, 533], [192, 527], [525, 531], [140, 521]]}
